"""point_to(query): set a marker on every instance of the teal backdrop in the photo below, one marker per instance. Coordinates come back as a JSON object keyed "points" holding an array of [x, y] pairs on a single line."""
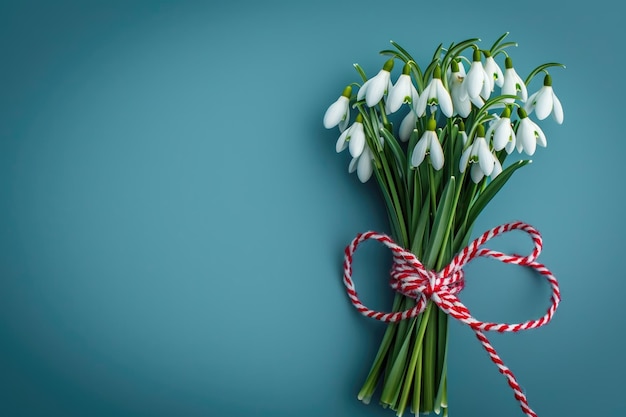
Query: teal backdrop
{"points": [[173, 213]]}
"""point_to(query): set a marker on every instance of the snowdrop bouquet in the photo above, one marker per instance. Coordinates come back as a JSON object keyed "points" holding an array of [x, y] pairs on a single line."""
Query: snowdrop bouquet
{"points": [[437, 142]]}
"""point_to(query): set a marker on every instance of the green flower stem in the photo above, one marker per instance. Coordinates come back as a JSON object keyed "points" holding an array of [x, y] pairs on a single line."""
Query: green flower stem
{"points": [[392, 386], [391, 187], [366, 392], [414, 369], [429, 346], [442, 359], [403, 325], [417, 382]]}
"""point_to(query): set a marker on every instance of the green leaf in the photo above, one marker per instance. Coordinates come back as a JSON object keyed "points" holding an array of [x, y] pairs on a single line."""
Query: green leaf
{"points": [[374, 374], [395, 149], [402, 51], [395, 54], [420, 229], [455, 51], [502, 47], [437, 54], [429, 71], [392, 385], [395, 225], [445, 211], [541, 68], [497, 42], [462, 239], [417, 74], [429, 345], [360, 71], [492, 189], [417, 382]]}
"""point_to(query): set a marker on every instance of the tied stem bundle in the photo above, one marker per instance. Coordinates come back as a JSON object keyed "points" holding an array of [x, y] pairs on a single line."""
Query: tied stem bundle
{"points": [[437, 168]]}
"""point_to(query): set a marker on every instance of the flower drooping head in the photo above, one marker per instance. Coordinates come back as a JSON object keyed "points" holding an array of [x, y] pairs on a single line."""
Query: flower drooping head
{"points": [[402, 92], [544, 102], [374, 89], [338, 113], [512, 83], [435, 94], [529, 135], [428, 144]]}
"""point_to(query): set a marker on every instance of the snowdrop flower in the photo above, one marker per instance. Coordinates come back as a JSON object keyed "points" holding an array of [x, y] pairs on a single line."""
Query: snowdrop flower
{"points": [[460, 100], [363, 165], [428, 144], [493, 70], [477, 82], [482, 160], [529, 135], [512, 82], [544, 102], [375, 88], [353, 138], [402, 92], [435, 94], [461, 70], [501, 132], [407, 125], [338, 113]]}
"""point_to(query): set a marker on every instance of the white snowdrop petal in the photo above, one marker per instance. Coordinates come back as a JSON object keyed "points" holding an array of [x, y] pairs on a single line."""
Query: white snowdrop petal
{"points": [[356, 144], [395, 99], [420, 108], [543, 103], [407, 125], [485, 158], [474, 79], [477, 101], [436, 152], [414, 95], [557, 109], [460, 100], [419, 152], [361, 93], [529, 106], [540, 137], [476, 173], [501, 134], [513, 83], [464, 158], [508, 85], [463, 107], [510, 145], [352, 165], [487, 86], [518, 143], [494, 71], [365, 167], [377, 88], [522, 87], [526, 135], [443, 97], [334, 114], [344, 123], [342, 143], [497, 168]]}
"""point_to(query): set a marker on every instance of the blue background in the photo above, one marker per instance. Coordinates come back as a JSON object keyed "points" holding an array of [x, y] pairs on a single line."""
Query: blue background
{"points": [[173, 213]]}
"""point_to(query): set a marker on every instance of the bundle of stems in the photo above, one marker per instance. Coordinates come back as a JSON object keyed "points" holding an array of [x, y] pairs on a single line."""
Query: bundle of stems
{"points": [[432, 205]]}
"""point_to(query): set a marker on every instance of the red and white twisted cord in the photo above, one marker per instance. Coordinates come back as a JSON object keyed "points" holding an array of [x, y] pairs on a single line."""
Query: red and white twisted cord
{"points": [[411, 278]]}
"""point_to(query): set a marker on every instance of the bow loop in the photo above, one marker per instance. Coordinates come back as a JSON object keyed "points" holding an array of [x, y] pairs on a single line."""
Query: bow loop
{"points": [[412, 279]]}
